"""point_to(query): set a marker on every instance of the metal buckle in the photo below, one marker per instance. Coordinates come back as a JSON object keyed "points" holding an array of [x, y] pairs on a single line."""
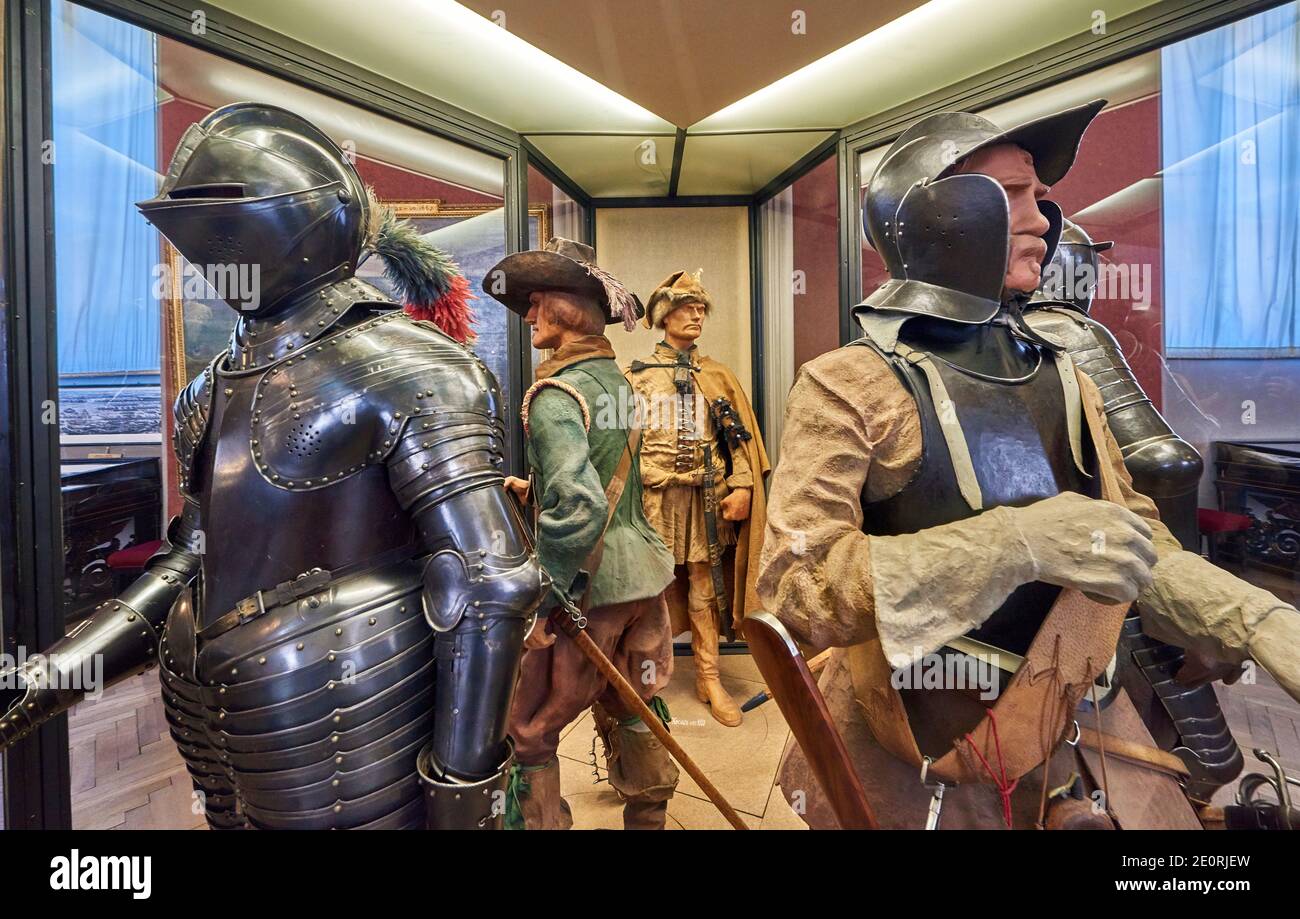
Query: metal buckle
{"points": [[1078, 733], [574, 621], [245, 610], [936, 796]]}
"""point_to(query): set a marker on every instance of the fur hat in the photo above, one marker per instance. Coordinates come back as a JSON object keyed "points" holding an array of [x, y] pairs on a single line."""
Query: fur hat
{"points": [[678, 288], [561, 264]]}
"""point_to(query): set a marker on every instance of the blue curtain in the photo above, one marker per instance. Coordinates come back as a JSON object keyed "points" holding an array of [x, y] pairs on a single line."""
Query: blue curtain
{"points": [[105, 152], [1230, 135]]}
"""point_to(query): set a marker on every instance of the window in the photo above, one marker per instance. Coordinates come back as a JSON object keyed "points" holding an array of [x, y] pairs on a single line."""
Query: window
{"points": [[801, 290], [1191, 170], [131, 331]]}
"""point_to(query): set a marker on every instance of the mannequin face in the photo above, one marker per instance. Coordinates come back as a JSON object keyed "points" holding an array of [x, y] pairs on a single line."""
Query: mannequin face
{"points": [[684, 324], [1013, 169], [557, 317]]}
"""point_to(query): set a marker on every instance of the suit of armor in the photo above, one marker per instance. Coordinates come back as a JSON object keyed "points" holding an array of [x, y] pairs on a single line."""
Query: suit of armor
{"points": [[999, 370], [1164, 467], [361, 585], [1184, 719]]}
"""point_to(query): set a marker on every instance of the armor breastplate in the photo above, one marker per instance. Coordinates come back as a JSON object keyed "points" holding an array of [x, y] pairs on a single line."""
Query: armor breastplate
{"points": [[1020, 449], [290, 461], [259, 534]]}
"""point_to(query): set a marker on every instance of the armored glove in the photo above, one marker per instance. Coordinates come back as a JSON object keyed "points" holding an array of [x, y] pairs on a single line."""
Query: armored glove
{"points": [[118, 640], [933, 585]]}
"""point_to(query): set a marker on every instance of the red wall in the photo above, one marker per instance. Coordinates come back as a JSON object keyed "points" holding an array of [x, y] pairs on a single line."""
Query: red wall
{"points": [[1121, 148], [816, 253]]}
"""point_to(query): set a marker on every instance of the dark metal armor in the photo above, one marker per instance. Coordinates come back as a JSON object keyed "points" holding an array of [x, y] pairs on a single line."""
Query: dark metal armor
{"points": [[1020, 452], [1185, 720], [991, 380], [1164, 467], [362, 586]]}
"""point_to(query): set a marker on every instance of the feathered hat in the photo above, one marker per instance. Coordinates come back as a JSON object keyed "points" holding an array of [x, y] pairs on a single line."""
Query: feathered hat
{"points": [[561, 264], [426, 279], [678, 288]]}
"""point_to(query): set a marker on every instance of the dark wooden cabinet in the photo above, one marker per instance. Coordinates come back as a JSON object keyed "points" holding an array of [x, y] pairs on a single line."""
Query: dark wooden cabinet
{"points": [[1261, 479], [107, 506]]}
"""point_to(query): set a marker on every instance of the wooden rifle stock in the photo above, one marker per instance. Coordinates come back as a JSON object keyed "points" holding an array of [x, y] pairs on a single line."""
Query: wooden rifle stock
{"points": [[791, 682]]}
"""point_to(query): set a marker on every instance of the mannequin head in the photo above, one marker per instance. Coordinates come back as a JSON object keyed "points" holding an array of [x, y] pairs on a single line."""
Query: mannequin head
{"points": [[1013, 169], [558, 317], [684, 324]]}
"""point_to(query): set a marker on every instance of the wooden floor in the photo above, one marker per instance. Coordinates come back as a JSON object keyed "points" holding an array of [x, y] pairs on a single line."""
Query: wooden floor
{"points": [[126, 773]]}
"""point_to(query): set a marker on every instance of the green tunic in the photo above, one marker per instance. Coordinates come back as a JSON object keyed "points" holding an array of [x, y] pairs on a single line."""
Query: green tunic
{"points": [[571, 468]]}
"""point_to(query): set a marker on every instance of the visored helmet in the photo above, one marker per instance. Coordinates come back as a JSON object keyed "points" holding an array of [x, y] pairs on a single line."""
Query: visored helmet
{"points": [[952, 230], [258, 190], [1070, 279]]}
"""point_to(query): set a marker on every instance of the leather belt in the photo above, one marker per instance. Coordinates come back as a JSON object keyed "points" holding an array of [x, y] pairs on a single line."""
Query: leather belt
{"points": [[309, 582]]}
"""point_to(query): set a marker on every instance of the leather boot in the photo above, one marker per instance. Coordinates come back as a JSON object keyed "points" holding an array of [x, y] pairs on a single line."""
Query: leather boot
{"points": [[704, 645], [640, 770], [542, 806]]}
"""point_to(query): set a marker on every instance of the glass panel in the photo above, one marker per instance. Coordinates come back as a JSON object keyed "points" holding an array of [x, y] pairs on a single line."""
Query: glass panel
{"points": [[133, 327], [6, 472], [551, 212], [1191, 170], [801, 290], [1229, 204]]}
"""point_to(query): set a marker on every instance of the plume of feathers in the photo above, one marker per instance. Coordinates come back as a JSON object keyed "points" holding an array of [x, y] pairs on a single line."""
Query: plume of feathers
{"points": [[426, 279], [622, 305]]}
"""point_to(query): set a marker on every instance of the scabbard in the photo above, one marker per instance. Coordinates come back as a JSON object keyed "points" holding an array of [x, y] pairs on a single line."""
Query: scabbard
{"points": [[711, 533]]}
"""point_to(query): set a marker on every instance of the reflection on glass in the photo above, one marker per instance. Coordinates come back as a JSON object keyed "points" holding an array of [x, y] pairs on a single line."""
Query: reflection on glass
{"points": [[134, 326], [801, 284], [1191, 170]]}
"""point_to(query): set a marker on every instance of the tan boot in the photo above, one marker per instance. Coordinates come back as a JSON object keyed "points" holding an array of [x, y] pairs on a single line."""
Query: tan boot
{"points": [[704, 645], [723, 708], [543, 807], [640, 770]]}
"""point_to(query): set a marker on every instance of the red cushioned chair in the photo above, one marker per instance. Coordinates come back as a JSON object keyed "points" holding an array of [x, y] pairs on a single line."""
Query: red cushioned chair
{"points": [[127, 563], [1214, 524]]}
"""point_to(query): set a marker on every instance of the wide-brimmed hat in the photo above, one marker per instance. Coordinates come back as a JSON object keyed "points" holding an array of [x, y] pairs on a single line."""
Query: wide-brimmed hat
{"points": [[561, 264], [678, 288]]}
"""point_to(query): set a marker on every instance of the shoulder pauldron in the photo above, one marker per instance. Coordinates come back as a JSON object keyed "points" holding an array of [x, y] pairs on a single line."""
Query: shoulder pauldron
{"points": [[192, 410], [343, 405]]}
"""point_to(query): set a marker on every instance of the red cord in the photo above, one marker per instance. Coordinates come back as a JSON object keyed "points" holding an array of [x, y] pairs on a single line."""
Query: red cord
{"points": [[1004, 787]]}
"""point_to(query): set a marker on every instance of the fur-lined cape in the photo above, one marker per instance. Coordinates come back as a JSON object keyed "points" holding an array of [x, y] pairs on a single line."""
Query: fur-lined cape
{"points": [[678, 288], [426, 278]]}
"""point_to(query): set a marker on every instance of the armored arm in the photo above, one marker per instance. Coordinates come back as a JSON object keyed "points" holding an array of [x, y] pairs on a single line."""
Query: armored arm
{"points": [[482, 582], [445, 472], [118, 640], [1164, 467]]}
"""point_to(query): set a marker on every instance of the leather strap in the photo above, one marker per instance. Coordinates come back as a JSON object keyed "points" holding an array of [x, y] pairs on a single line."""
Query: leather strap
{"points": [[613, 493], [309, 582], [1073, 646]]}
